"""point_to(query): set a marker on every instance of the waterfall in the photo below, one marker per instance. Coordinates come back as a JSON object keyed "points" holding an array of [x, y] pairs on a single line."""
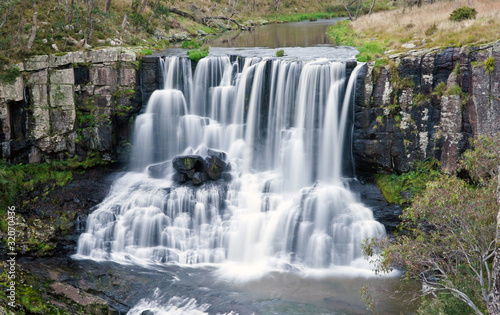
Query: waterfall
{"points": [[285, 126]]}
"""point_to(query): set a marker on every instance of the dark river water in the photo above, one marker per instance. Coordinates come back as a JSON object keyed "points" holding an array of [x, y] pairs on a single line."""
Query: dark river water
{"points": [[300, 34]]}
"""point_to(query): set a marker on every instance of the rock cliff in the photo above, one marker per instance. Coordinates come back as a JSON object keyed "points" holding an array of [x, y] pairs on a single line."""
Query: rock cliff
{"points": [[425, 104], [69, 105]]}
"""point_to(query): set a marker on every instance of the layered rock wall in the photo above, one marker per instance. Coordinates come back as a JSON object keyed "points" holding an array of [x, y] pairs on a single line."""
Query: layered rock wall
{"points": [[425, 104], [70, 105]]}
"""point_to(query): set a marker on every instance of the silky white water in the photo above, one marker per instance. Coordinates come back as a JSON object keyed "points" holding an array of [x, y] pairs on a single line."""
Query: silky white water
{"points": [[285, 126]]}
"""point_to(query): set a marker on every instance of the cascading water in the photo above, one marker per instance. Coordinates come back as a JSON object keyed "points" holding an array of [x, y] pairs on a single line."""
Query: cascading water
{"points": [[284, 125]]}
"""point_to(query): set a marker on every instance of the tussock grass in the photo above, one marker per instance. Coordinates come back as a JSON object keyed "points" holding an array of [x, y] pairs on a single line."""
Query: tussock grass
{"points": [[429, 26]]}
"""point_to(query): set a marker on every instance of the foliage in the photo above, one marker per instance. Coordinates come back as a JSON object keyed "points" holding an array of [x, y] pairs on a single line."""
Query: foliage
{"points": [[449, 233], [343, 34], [198, 54], [191, 44], [463, 13], [413, 183], [489, 65], [24, 177], [8, 74], [280, 53], [146, 52]]}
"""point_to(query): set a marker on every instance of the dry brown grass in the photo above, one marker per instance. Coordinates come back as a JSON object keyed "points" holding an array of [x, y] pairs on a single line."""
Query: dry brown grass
{"points": [[431, 23]]}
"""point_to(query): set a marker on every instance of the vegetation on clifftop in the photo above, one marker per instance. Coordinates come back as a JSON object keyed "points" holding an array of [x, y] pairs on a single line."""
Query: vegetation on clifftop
{"points": [[427, 26], [447, 234]]}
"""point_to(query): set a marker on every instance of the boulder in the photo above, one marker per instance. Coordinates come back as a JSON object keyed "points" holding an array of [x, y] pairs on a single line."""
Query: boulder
{"points": [[215, 167], [158, 170], [199, 178], [179, 177], [184, 163], [219, 154]]}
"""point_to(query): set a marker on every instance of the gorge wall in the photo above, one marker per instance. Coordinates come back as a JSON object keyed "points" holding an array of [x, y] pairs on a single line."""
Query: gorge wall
{"points": [[408, 107], [70, 105], [425, 104]]}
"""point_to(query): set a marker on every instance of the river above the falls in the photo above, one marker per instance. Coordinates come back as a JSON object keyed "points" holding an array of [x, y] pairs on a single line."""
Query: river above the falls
{"points": [[297, 34]]}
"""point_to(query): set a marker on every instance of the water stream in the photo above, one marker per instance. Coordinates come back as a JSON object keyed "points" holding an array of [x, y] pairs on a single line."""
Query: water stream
{"points": [[284, 207]]}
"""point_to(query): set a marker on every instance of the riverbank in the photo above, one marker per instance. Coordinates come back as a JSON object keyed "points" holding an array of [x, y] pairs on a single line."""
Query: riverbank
{"points": [[387, 33]]}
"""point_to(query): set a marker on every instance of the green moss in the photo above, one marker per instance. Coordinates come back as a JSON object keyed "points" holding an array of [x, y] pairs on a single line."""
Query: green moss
{"points": [[414, 182], [440, 89], [198, 54], [419, 99], [489, 65], [280, 53]]}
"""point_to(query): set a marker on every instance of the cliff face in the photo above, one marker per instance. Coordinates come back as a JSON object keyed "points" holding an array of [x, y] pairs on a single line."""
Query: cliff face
{"points": [[68, 105], [425, 104]]}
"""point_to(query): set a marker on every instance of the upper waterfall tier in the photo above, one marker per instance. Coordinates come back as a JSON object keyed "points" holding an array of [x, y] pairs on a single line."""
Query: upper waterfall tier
{"points": [[286, 128]]}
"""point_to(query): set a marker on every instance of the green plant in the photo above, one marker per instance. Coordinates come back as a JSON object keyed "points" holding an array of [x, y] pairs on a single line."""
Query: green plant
{"points": [[440, 89], [449, 234], [489, 65], [463, 13], [431, 30], [9, 75], [280, 53], [146, 52], [191, 44], [198, 54], [403, 188]]}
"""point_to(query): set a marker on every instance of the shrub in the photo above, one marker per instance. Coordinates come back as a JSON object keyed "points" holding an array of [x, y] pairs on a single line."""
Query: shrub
{"points": [[431, 30], [489, 65], [198, 54], [280, 53], [190, 44], [463, 13]]}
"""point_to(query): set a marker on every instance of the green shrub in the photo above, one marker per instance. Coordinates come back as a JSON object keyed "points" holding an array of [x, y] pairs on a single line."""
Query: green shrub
{"points": [[280, 53], [146, 52], [431, 30], [190, 44], [489, 65], [463, 13], [198, 54]]}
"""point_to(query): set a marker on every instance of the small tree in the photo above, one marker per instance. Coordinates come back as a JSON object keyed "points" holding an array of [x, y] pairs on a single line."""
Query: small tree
{"points": [[449, 232]]}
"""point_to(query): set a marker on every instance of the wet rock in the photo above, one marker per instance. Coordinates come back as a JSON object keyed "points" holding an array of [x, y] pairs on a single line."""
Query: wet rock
{"points": [[215, 167], [158, 170], [185, 163], [179, 177], [199, 178], [384, 212], [219, 154], [227, 177]]}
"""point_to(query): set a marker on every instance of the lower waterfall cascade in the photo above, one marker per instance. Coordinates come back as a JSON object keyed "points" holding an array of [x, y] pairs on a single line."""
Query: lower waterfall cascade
{"points": [[286, 126]]}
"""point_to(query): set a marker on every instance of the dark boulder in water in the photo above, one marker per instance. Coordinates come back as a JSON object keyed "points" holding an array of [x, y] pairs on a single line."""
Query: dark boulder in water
{"points": [[179, 177], [199, 170], [199, 178], [219, 154], [158, 170], [215, 167], [184, 163]]}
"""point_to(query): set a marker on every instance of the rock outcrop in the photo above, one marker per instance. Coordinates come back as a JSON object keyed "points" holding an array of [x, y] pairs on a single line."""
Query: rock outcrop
{"points": [[69, 105], [425, 104]]}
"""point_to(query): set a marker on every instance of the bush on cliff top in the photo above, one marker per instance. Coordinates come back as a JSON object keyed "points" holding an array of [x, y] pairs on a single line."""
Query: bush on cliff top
{"points": [[463, 13]]}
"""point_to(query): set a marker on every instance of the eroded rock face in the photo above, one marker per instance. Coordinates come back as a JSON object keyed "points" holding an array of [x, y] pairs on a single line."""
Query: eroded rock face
{"points": [[71, 104], [425, 104]]}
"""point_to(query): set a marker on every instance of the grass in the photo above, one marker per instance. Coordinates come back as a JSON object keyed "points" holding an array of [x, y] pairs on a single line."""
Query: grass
{"points": [[198, 54], [25, 177], [425, 27]]}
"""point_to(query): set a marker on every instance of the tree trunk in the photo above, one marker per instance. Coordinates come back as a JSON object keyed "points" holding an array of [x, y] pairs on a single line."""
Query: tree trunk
{"points": [[70, 19], [108, 5], [33, 29], [144, 3], [371, 8], [124, 23]]}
